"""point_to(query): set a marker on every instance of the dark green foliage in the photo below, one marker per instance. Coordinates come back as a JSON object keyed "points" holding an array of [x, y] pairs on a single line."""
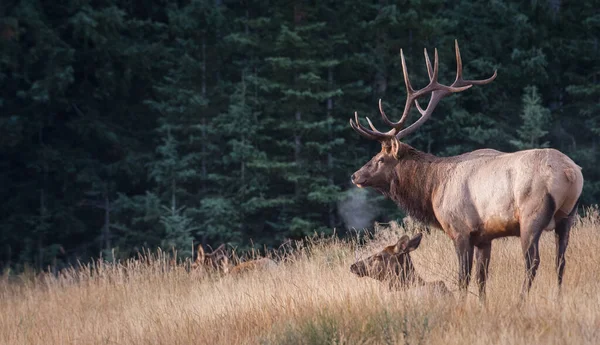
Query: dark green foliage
{"points": [[535, 119], [129, 125]]}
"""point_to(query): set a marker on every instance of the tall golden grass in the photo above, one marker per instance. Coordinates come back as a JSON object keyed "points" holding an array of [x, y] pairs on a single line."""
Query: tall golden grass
{"points": [[312, 299]]}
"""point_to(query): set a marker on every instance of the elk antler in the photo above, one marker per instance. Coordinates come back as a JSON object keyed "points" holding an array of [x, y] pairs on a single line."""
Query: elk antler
{"points": [[437, 90]]}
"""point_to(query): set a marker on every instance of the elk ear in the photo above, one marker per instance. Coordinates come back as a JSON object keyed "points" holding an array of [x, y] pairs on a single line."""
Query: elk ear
{"points": [[401, 245], [225, 264], [220, 249], [391, 147], [406, 244], [395, 147], [413, 243], [201, 255]]}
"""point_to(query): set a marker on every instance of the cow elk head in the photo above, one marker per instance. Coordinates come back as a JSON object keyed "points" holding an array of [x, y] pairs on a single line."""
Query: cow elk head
{"points": [[217, 260], [392, 264]]}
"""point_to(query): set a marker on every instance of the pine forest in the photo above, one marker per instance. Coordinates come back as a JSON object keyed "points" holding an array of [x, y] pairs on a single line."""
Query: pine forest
{"points": [[144, 124]]}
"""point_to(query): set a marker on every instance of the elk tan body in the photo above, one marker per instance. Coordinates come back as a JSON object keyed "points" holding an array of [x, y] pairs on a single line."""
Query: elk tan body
{"points": [[477, 196], [254, 265], [394, 266]]}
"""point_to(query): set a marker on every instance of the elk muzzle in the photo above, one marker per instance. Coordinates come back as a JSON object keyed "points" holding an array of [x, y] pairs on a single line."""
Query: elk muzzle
{"points": [[358, 179]]}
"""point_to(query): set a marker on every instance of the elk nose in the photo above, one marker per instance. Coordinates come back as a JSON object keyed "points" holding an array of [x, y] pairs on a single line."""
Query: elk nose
{"points": [[353, 177]]}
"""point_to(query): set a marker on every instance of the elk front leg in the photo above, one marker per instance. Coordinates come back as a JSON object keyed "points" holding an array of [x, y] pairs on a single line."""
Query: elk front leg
{"points": [[482, 257], [464, 251], [532, 261]]}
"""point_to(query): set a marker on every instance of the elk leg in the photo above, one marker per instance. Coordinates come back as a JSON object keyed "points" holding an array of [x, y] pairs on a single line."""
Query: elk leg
{"points": [[562, 241], [532, 228], [532, 261], [464, 251], [482, 257]]}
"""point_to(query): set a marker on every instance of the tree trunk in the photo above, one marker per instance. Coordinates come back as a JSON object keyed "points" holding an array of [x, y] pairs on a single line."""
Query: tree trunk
{"points": [[43, 213], [42, 225], [329, 153], [173, 197], [203, 120], [106, 230], [297, 150]]}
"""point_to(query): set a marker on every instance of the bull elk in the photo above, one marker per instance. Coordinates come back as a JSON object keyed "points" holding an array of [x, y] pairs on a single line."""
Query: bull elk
{"points": [[477, 196], [217, 260], [394, 266]]}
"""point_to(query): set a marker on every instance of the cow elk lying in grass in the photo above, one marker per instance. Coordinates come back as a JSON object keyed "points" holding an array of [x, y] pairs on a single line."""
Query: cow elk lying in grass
{"points": [[216, 261], [477, 196], [394, 266]]}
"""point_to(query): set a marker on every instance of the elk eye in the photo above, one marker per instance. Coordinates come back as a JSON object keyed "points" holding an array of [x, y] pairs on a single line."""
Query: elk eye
{"points": [[380, 160]]}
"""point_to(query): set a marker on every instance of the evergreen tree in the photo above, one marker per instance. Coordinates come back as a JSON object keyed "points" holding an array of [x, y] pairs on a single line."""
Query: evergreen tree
{"points": [[535, 119], [146, 124]]}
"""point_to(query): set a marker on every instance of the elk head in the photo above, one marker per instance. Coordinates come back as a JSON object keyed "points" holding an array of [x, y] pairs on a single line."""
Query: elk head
{"points": [[216, 260], [392, 264], [379, 170]]}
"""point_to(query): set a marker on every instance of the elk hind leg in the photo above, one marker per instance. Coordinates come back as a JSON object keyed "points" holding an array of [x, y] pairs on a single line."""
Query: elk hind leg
{"points": [[482, 258], [531, 229], [563, 228]]}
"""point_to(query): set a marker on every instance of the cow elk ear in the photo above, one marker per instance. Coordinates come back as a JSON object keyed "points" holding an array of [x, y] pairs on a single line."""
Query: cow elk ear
{"points": [[399, 248], [406, 244], [201, 255], [413, 243]]}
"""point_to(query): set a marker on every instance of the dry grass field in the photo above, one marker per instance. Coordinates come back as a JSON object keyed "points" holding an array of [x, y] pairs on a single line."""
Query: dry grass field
{"points": [[313, 299]]}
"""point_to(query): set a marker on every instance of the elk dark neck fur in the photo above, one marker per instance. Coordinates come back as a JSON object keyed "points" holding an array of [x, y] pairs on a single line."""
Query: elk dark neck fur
{"points": [[416, 176], [405, 277]]}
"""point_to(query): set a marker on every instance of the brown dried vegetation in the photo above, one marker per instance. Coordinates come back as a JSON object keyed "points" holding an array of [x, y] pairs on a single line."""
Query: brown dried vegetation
{"points": [[313, 298]]}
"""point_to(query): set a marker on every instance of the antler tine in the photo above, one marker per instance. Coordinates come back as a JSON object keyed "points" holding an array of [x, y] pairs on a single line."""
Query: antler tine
{"points": [[387, 134], [428, 63], [410, 93], [385, 118], [371, 125], [409, 88], [459, 81], [430, 72], [435, 67], [370, 134]]}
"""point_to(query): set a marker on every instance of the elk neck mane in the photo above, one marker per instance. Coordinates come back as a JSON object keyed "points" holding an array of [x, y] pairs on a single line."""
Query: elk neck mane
{"points": [[416, 176], [405, 277]]}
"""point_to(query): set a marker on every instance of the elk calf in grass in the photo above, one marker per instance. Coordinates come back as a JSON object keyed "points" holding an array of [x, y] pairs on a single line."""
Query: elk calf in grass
{"points": [[394, 266], [217, 260], [477, 196]]}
